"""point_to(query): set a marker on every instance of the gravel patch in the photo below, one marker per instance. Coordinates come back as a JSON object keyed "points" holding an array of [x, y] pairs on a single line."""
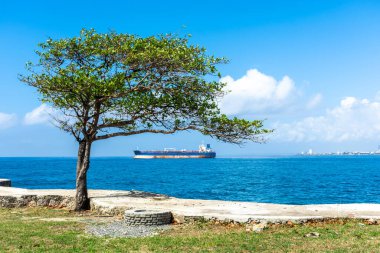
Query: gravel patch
{"points": [[121, 229]]}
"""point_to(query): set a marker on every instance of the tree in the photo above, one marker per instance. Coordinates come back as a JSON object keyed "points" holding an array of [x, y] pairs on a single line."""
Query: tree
{"points": [[108, 85]]}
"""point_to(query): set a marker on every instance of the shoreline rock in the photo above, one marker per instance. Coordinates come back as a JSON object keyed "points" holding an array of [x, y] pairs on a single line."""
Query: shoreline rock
{"points": [[34, 200]]}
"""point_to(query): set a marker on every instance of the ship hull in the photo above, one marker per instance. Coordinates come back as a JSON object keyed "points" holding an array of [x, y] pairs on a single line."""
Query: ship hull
{"points": [[173, 154]]}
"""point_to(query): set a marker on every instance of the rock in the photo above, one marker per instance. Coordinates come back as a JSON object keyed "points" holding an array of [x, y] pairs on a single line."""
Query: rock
{"points": [[312, 234], [227, 221], [290, 223], [192, 218], [50, 200], [178, 219], [27, 200], [8, 201], [372, 222], [258, 227], [106, 210], [68, 202]]}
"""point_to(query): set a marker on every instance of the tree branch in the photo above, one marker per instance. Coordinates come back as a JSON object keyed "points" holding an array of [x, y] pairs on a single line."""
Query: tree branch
{"points": [[155, 131]]}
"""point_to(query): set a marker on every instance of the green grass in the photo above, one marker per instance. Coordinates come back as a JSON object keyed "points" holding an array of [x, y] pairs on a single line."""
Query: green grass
{"points": [[22, 230]]}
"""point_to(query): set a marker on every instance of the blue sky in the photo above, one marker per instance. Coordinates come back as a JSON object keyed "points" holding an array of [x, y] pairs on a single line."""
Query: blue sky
{"points": [[311, 68]]}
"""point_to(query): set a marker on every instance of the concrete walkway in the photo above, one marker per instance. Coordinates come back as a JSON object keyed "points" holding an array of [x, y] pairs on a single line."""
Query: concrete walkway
{"points": [[107, 200]]}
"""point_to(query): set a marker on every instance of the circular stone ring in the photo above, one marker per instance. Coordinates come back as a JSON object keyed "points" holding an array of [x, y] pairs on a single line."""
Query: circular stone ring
{"points": [[147, 217]]}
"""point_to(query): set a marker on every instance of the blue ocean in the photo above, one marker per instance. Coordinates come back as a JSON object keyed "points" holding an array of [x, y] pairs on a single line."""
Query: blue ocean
{"points": [[287, 180]]}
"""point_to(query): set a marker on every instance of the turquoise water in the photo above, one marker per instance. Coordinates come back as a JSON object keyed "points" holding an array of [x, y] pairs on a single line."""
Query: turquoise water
{"points": [[290, 180]]}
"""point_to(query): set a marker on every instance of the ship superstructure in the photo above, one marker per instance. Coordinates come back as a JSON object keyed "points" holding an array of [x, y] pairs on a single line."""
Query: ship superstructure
{"points": [[202, 152]]}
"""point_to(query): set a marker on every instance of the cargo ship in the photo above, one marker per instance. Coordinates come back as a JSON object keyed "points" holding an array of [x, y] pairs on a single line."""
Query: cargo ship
{"points": [[202, 152]]}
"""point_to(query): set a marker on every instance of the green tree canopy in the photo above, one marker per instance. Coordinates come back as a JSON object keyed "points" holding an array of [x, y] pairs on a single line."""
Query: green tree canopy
{"points": [[114, 84]]}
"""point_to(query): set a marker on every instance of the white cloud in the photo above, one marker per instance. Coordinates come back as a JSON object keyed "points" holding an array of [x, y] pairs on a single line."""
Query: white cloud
{"points": [[256, 92], [314, 101], [39, 115], [7, 120], [354, 119]]}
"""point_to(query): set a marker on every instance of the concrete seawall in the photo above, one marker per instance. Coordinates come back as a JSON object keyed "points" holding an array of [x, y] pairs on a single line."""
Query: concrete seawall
{"points": [[116, 202]]}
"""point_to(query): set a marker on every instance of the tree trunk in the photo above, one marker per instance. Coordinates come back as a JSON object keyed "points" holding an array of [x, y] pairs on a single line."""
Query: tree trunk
{"points": [[82, 202]]}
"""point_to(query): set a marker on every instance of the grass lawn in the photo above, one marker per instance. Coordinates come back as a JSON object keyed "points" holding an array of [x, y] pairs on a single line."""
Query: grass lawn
{"points": [[42, 230]]}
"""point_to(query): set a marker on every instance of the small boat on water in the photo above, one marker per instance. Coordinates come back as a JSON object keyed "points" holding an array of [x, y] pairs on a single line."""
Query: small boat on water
{"points": [[202, 152]]}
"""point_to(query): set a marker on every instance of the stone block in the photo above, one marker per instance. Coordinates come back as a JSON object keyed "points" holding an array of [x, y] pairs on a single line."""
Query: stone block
{"points": [[5, 182]]}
